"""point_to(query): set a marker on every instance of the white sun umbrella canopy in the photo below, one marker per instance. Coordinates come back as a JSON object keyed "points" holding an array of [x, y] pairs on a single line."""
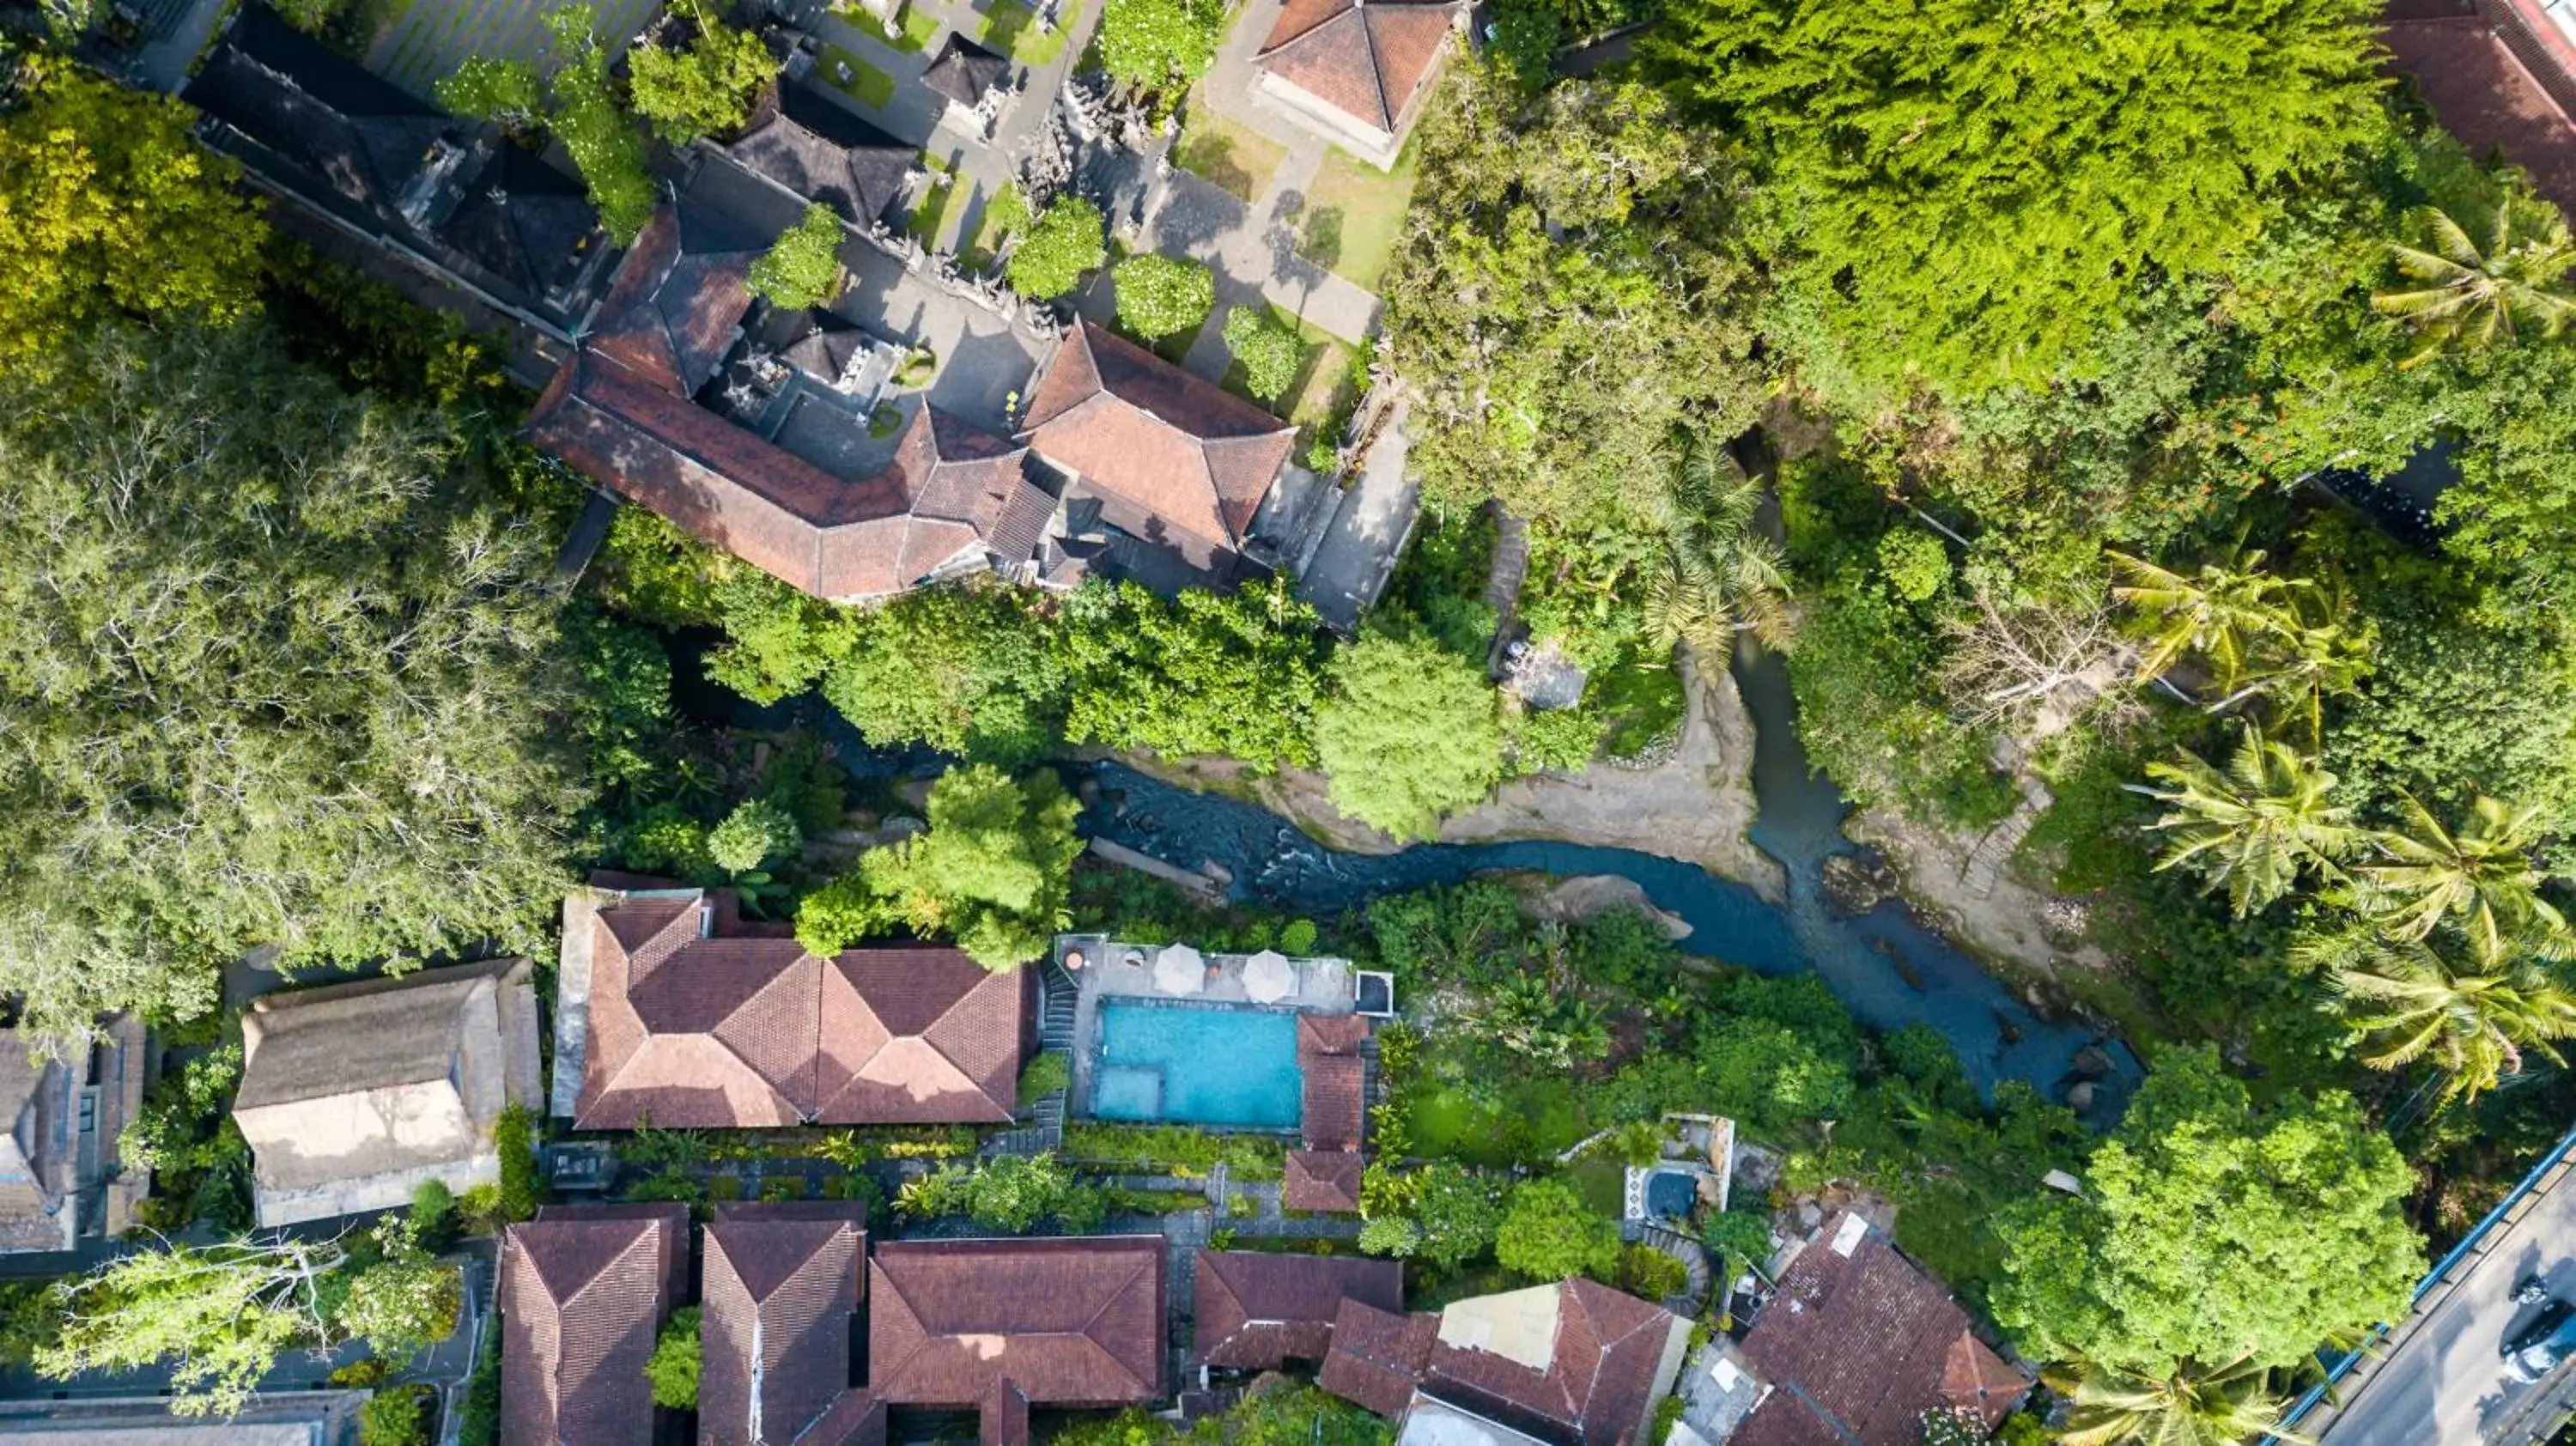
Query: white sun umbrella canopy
{"points": [[1179, 970], [1268, 977]]}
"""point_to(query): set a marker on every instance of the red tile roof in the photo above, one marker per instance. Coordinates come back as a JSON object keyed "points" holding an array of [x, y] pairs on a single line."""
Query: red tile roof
{"points": [[730, 1033], [1378, 1356], [1069, 1322], [1869, 1342], [1184, 454], [1335, 1079], [779, 1289], [621, 412], [583, 1291], [1257, 1310], [1365, 58], [1599, 1387], [1323, 1180]]}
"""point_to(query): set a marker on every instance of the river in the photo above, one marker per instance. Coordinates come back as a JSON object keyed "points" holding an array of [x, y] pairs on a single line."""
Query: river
{"points": [[1884, 967]]}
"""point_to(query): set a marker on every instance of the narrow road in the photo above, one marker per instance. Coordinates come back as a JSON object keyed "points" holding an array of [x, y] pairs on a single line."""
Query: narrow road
{"points": [[2440, 1380]]}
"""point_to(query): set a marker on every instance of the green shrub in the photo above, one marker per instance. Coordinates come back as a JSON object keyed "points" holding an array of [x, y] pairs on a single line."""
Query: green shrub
{"points": [[1297, 938], [508, 93], [1650, 1274], [1550, 1233], [395, 1416], [1058, 249], [1174, 1149], [1049, 1073], [704, 90], [1159, 295], [803, 266], [604, 144], [672, 1369], [522, 1187], [1267, 351], [478, 1420]]}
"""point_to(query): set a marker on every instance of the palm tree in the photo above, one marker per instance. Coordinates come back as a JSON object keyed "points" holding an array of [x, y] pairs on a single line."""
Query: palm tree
{"points": [[1719, 577], [2483, 873], [2477, 292], [2219, 1407], [2256, 826], [2472, 1011], [2223, 613]]}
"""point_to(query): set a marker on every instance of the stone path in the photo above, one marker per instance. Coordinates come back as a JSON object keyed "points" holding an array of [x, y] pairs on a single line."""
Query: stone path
{"points": [[1986, 861], [1359, 546], [1252, 248], [433, 37]]}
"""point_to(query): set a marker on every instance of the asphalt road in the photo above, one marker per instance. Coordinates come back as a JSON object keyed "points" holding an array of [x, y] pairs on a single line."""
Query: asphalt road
{"points": [[2443, 1383]]}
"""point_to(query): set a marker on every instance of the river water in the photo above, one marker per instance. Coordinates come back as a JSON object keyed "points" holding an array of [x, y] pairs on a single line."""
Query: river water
{"points": [[1886, 969]]}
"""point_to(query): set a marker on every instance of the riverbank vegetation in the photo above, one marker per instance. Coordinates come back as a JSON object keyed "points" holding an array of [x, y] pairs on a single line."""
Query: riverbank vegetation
{"points": [[2169, 461]]}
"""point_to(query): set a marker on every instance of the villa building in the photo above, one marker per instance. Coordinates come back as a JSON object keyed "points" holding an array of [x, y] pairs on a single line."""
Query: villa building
{"points": [[473, 210], [1571, 1364], [1357, 71], [999, 1326], [583, 1292], [1857, 1343], [818, 149], [1163, 475], [354, 1095], [1257, 1311], [60, 1179], [780, 1300], [691, 1017]]}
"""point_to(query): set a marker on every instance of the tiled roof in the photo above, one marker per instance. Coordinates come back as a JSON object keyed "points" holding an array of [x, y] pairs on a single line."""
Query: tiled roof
{"points": [[526, 222], [1069, 1322], [1185, 456], [1862, 1342], [1609, 1353], [780, 1288], [964, 70], [824, 152], [1323, 1180], [1365, 58], [1257, 1310], [1335, 1079], [583, 1290], [621, 411], [362, 138], [1378, 1356], [755, 1032]]}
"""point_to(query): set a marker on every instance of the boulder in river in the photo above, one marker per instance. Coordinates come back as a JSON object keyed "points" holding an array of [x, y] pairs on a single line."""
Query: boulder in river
{"points": [[1858, 882], [1572, 900]]}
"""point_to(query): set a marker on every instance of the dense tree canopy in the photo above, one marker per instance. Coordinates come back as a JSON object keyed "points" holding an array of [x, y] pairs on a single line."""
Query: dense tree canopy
{"points": [[1160, 295], [1568, 298], [1976, 189], [278, 679], [108, 204], [803, 266], [1407, 733], [2212, 1231], [1159, 44], [993, 873], [702, 88], [1061, 245], [1232, 675]]}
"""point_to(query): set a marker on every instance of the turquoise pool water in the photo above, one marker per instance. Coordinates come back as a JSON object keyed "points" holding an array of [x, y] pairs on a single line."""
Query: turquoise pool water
{"points": [[1229, 1068]]}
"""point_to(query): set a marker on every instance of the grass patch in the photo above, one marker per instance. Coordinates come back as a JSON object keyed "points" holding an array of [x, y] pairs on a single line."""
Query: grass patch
{"points": [[1225, 155], [1355, 215], [1531, 1119], [1175, 1149], [1011, 28], [1603, 1185], [930, 214], [910, 33], [1329, 388], [866, 84], [1643, 702]]}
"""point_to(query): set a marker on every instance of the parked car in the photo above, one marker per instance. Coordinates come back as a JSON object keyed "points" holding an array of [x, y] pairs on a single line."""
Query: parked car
{"points": [[2537, 1349]]}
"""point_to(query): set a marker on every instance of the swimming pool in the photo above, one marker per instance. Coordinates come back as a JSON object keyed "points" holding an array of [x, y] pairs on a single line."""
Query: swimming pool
{"points": [[1191, 1064]]}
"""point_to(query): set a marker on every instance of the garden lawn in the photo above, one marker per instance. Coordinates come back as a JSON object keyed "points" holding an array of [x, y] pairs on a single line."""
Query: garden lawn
{"points": [[867, 85], [1011, 29], [1224, 154], [1538, 1117], [1355, 215]]}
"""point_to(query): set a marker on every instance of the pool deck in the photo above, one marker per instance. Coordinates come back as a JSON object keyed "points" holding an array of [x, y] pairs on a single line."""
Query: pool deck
{"points": [[1324, 986]]}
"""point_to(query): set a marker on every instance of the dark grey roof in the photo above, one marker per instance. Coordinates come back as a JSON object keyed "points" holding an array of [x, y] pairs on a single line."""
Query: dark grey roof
{"points": [[821, 151], [359, 137], [525, 222], [964, 70], [824, 346]]}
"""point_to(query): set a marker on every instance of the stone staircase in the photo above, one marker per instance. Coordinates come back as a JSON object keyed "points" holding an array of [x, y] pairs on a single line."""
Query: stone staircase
{"points": [[1503, 579], [1042, 1128], [1986, 861]]}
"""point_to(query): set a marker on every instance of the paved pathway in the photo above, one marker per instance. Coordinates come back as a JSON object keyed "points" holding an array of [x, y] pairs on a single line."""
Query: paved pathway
{"points": [[1360, 545], [433, 37]]}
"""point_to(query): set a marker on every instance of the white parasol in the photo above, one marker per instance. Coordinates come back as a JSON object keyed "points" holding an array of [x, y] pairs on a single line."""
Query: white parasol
{"points": [[1179, 970], [1268, 977]]}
